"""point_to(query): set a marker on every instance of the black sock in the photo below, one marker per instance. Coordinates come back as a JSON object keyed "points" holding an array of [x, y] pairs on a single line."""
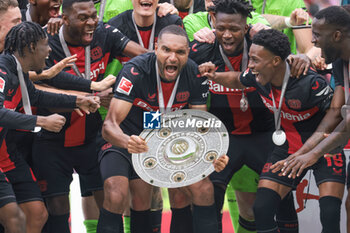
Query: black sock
{"points": [[330, 214], [108, 222], [204, 219], [248, 225], [156, 220], [181, 220], [219, 196], [140, 221], [286, 216], [265, 208], [58, 223]]}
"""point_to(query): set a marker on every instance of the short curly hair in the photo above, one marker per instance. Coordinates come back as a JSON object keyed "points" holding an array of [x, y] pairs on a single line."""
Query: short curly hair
{"points": [[232, 7], [274, 41], [336, 16]]}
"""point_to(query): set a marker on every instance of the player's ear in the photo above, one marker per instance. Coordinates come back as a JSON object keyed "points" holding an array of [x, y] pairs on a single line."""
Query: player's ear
{"points": [[276, 60], [337, 35], [155, 47]]}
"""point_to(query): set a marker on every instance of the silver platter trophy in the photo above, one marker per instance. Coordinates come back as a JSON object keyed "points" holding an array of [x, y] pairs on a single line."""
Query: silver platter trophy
{"points": [[182, 151]]}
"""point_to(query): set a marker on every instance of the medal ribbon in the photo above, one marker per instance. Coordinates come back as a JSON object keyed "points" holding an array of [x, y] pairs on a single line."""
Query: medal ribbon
{"points": [[277, 111], [24, 92], [162, 107], [151, 39], [87, 57]]}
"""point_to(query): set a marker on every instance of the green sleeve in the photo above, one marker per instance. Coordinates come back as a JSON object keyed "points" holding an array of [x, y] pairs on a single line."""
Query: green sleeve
{"points": [[114, 8], [195, 22]]}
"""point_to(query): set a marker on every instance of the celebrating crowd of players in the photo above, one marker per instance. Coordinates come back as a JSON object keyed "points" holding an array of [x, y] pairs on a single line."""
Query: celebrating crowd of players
{"points": [[57, 75]]}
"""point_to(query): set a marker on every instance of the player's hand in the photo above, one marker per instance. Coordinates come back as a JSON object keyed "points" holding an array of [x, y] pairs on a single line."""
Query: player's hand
{"points": [[53, 26], [299, 64], [256, 28], [58, 67], [220, 163], [105, 97], [205, 35], [53, 123], [294, 165], [166, 8], [136, 144], [88, 103], [319, 63], [208, 70], [298, 17], [104, 84]]}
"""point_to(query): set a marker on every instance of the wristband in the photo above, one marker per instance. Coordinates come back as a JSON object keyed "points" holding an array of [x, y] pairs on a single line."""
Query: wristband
{"points": [[287, 22]]}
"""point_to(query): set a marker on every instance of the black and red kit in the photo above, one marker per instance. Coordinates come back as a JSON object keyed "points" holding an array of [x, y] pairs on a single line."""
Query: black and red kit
{"points": [[304, 105], [108, 42], [137, 84]]}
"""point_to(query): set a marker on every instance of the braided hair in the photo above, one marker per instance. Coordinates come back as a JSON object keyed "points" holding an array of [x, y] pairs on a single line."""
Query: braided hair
{"points": [[232, 7], [25, 34]]}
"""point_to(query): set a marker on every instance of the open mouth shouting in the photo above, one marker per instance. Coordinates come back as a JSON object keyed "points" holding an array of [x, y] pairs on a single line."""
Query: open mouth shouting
{"points": [[146, 5], [171, 71]]}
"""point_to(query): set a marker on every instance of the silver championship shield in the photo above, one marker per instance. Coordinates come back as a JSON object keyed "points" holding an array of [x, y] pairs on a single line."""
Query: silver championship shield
{"points": [[182, 151]]}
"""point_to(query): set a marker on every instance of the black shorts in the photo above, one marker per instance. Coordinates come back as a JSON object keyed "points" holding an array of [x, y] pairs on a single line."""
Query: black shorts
{"points": [[347, 154], [23, 182], [54, 164], [6, 193], [325, 169], [251, 150], [115, 161]]}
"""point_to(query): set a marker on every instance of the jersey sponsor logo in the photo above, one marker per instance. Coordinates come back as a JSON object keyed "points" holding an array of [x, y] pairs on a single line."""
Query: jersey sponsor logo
{"points": [[2, 84], [182, 96], [125, 86], [133, 72], [287, 115], [3, 72], [96, 53], [294, 103], [220, 89], [193, 47], [94, 73], [325, 91]]}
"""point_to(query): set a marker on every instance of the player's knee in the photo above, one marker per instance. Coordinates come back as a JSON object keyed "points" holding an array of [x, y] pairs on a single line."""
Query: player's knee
{"points": [[38, 216], [141, 202], [204, 191], [247, 213], [347, 204], [178, 199], [58, 205], [115, 194], [15, 221]]}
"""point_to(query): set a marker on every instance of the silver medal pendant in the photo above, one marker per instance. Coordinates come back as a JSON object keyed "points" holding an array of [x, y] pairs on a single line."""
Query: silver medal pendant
{"points": [[243, 103], [279, 137], [343, 110]]}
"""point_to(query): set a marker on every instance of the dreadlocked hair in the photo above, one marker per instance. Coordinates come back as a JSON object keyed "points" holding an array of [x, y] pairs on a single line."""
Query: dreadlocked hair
{"points": [[25, 34], [232, 7]]}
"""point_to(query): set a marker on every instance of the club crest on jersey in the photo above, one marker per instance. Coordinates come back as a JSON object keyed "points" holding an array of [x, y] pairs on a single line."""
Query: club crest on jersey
{"points": [[294, 103], [2, 84], [96, 53], [125, 86], [182, 96], [151, 120]]}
